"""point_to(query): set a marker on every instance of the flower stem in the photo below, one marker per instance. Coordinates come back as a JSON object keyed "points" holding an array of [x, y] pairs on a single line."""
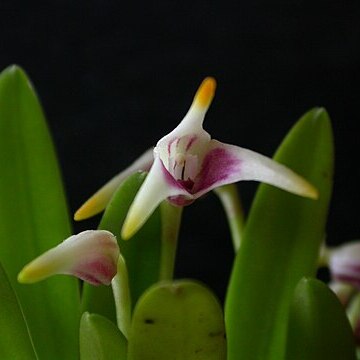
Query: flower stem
{"points": [[171, 219], [230, 200], [324, 255], [121, 292], [353, 311]]}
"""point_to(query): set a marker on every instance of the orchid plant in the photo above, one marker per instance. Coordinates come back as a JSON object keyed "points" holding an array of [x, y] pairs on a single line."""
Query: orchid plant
{"points": [[127, 304]]}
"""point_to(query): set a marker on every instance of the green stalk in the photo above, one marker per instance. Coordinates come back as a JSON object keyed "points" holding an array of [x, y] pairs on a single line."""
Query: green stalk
{"points": [[171, 219], [353, 311], [142, 252], [324, 255], [230, 200], [122, 298]]}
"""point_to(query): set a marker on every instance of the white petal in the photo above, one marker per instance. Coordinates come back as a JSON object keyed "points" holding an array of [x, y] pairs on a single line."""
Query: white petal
{"points": [[225, 164], [101, 198], [191, 125], [158, 186], [90, 255], [193, 120]]}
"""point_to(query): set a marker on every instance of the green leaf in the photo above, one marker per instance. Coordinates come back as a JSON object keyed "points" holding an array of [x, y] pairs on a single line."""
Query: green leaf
{"points": [[141, 252], [177, 320], [318, 326], [280, 245], [100, 339], [15, 340], [33, 216]]}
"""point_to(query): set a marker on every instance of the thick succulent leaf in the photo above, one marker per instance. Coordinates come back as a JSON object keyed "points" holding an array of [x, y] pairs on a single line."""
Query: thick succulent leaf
{"points": [[33, 216], [15, 340], [177, 320], [141, 253], [280, 245], [100, 339], [318, 326]]}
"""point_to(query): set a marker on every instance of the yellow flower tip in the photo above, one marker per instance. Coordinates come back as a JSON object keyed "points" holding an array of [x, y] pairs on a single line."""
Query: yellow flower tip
{"points": [[30, 274], [307, 190], [129, 228], [205, 93], [79, 214], [21, 278], [88, 209], [312, 192]]}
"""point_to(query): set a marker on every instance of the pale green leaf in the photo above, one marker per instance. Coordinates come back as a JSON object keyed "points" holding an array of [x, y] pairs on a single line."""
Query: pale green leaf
{"points": [[280, 245], [100, 339], [15, 340], [33, 217], [318, 326]]}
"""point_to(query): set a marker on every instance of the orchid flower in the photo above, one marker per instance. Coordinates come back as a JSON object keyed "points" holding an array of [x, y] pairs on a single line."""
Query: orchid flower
{"points": [[344, 263], [188, 164], [91, 255]]}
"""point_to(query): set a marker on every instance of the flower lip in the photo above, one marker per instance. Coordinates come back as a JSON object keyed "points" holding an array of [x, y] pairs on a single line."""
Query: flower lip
{"points": [[181, 162]]}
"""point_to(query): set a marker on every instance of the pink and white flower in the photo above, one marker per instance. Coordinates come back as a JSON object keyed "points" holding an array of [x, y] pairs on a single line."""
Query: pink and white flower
{"points": [[344, 263], [187, 164], [91, 255]]}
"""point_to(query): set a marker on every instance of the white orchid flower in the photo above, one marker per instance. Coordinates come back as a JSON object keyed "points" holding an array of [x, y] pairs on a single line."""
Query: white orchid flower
{"points": [[91, 255], [188, 164], [344, 263]]}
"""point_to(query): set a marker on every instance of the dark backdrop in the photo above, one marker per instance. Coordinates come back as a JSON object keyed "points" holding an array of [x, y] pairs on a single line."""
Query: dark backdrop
{"points": [[115, 76]]}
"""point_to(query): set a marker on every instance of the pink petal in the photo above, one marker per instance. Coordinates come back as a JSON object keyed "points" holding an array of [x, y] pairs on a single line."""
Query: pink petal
{"points": [[95, 270], [226, 164]]}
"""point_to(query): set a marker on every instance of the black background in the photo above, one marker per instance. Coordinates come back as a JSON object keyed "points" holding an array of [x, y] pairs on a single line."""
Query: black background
{"points": [[115, 76]]}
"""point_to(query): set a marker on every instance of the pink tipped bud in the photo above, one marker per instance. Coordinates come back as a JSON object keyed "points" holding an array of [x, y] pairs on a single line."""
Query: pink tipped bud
{"points": [[91, 255]]}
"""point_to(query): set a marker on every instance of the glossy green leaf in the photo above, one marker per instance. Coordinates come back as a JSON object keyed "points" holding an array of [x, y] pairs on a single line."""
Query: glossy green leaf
{"points": [[100, 339], [15, 340], [280, 245], [318, 326], [141, 252], [33, 217], [177, 320]]}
